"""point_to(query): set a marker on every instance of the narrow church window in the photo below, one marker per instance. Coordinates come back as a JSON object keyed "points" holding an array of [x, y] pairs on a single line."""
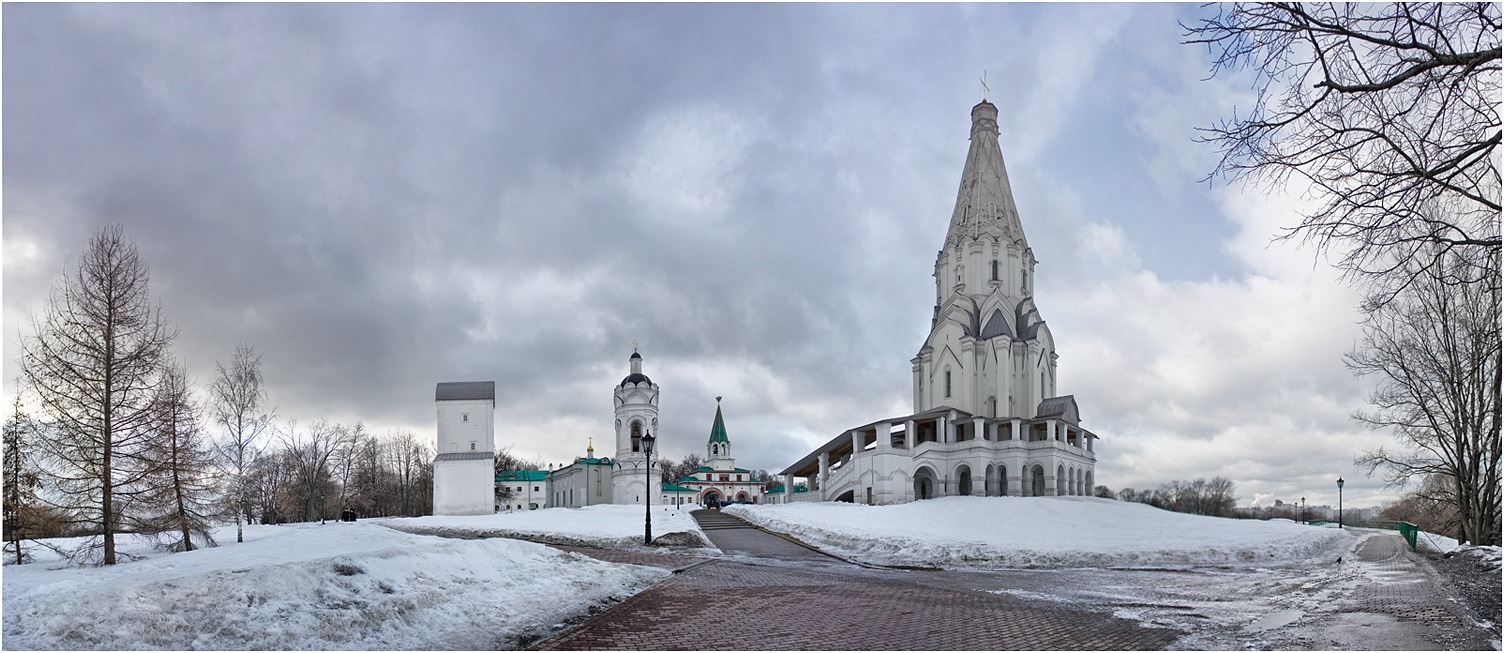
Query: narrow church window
{"points": [[947, 384], [464, 417], [994, 270], [472, 445], [636, 436]]}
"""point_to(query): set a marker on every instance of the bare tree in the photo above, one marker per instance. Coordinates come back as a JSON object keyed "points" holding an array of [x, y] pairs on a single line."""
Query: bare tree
{"points": [[1431, 505], [22, 479], [308, 455], [344, 463], [1218, 498], [239, 402], [1390, 111], [266, 483], [182, 486], [411, 461], [673, 472], [1435, 350], [93, 363]]}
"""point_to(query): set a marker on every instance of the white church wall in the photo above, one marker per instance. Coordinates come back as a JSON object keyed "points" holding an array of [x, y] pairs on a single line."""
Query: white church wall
{"points": [[580, 485]]}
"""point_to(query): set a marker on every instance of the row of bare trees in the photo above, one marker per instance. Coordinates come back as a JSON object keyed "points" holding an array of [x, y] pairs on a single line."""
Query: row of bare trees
{"points": [[1215, 497], [320, 471], [121, 443], [1390, 112]]}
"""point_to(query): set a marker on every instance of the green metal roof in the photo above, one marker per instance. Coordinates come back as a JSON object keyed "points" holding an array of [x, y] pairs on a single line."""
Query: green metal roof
{"points": [[703, 468], [718, 430], [670, 487], [527, 475]]}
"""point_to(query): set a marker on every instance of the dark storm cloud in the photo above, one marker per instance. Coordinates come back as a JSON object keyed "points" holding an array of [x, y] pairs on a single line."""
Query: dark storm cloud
{"points": [[382, 197]]}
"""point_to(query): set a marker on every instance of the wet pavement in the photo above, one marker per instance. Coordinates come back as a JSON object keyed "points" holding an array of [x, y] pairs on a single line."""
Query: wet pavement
{"points": [[770, 592]]}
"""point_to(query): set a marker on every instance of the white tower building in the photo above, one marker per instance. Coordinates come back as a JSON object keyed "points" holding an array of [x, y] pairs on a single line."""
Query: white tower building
{"points": [[636, 399], [464, 478]]}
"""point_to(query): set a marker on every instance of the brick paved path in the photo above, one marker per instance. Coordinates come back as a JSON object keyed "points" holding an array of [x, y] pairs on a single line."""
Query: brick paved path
{"points": [[1409, 592], [792, 598], [737, 537]]}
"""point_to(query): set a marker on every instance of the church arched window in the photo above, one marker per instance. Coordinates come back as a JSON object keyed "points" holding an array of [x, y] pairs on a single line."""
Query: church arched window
{"points": [[636, 436], [994, 269], [947, 384]]}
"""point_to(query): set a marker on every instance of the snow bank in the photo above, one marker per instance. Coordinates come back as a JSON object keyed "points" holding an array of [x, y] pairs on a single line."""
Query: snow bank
{"points": [[312, 586], [1488, 556], [1018, 532], [604, 526]]}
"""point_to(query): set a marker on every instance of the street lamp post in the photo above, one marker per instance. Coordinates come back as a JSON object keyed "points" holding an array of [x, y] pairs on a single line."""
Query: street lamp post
{"points": [[1339, 502], [647, 493], [1302, 510]]}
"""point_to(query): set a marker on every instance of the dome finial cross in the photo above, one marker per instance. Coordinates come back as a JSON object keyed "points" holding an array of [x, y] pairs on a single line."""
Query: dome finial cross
{"points": [[984, 85]]}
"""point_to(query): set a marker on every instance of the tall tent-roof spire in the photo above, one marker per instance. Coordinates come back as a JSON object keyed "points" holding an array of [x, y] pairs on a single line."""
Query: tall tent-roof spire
{"points": [[718, 429], [985, 199]]}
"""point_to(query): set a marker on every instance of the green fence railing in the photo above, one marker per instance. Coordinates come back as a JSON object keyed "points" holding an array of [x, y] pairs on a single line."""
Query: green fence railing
{"points": [[1408, 531]]}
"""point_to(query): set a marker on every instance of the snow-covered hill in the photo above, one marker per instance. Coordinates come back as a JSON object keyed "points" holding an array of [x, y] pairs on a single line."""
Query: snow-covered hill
{"points": [[361, 585], [1018, 532]]}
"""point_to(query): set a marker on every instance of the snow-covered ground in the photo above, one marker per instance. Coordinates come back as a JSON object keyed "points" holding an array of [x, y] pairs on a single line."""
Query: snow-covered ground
{"points": [[607, 527], [456, 583], [364, 585], [1017, 532]]}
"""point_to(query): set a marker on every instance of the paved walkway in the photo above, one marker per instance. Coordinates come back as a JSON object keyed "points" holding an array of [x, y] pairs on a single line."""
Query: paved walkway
{"points": [[1400, 606], [774, 594], [737, 537]]}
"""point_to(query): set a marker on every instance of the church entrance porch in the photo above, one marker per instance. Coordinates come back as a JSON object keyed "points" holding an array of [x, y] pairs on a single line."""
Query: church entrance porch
{"points": [[1036, 485], [924, 483], [711, 498]]}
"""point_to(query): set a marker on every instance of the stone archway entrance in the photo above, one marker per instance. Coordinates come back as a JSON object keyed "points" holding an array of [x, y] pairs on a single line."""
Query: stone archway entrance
{"points": [[963, 484], [1036, 483], [924, 484], [711, 497]]}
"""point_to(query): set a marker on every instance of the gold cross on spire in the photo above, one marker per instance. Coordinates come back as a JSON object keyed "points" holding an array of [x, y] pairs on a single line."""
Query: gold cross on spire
{"points": [[634, 344], [984, 86]]}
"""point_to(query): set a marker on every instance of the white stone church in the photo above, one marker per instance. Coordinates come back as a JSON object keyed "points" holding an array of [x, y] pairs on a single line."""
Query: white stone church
{"points": [[987, 420]]}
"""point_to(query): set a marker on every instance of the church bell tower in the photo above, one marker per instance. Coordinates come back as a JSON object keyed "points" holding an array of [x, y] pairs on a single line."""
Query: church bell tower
{"points": [[636, 400]]}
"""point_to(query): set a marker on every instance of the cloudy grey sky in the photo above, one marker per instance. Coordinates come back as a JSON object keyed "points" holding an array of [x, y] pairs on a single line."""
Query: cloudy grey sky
{"points": [[383, 197]]}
